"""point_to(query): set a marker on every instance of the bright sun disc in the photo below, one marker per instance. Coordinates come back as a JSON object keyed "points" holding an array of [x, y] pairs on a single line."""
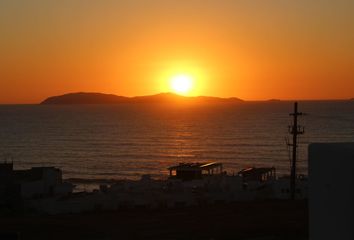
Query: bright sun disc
{"points": [[181, 84]]}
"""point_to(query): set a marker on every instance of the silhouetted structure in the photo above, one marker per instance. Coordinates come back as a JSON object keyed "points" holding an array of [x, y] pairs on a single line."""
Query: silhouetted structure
{"points": [[37, 182], [190, 171], [331, 196], [257, 174], [295, 130]]}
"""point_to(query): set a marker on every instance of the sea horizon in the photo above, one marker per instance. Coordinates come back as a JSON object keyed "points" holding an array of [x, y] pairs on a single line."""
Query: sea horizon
{"points": [[179, 95]]}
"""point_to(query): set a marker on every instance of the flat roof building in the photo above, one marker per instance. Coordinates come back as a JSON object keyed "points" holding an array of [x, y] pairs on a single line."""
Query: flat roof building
{"points": [[331, 191], [257, 174], [191, 171]]}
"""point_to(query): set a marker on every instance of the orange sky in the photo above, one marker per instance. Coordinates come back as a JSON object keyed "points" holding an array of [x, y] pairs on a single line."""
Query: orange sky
{"points": [[253, 50]]}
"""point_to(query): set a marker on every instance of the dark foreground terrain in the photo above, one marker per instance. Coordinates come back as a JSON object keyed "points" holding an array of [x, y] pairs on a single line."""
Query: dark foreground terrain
{"points": [[249, 220]]}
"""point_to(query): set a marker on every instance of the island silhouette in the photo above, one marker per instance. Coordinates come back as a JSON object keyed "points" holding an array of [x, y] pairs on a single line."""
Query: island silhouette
{"points": [[102, 98]]}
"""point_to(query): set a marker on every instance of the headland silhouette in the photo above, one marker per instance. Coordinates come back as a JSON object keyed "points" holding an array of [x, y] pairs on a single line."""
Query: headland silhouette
{"points": [[101, 98]]}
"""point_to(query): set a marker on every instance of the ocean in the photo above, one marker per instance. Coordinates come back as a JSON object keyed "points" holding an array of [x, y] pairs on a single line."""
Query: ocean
{"points": [[95, 143]]}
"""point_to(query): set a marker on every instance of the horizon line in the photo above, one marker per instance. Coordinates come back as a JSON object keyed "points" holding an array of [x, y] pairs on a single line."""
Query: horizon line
{"points": [[245, 101], [186, 96]]}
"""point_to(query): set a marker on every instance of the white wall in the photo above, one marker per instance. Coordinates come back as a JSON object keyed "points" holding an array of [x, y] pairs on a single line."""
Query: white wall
{"points": [[331, 188]]}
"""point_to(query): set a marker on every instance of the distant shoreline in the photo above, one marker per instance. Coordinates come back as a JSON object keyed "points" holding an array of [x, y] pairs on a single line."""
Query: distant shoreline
{"points": [[102, 98], [200, 102]]}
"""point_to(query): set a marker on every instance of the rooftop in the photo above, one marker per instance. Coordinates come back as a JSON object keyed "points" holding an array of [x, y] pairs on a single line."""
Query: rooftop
{"points": [[253, 170], [195, 166]]}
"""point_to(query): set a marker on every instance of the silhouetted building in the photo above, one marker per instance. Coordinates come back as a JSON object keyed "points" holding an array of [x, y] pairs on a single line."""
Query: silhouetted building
{"points": [[331, 195], [257, 174], [190, 171], [36, 182]]}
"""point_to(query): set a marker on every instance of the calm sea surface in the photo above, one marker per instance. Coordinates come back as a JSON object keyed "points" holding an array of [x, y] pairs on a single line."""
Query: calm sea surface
{"points": [[125, 141]]}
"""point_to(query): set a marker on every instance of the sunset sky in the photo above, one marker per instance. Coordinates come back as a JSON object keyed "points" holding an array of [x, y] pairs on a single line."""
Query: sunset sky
{"points": [[254, 50]]}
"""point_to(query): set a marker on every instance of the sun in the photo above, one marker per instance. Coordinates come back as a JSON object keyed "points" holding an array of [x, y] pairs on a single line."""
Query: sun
{"points": [[181, 84]]}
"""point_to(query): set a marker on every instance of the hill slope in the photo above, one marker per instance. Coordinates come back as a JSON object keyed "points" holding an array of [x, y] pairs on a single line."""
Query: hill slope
{"points": [[101, 98]]}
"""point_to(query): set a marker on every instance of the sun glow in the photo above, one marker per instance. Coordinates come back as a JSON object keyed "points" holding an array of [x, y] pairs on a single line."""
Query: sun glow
{"points": [[182, 84]]}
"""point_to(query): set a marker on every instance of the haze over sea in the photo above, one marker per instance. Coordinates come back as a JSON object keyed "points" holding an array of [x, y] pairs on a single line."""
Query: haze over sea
{"points": [[127, 140]]}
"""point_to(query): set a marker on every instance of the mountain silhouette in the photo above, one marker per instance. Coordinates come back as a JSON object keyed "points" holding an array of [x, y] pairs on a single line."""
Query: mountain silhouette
{"points": [[101, 98]]}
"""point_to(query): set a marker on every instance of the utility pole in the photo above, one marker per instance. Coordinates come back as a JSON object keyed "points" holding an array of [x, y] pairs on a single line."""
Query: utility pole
{"points": [[295, 130]]}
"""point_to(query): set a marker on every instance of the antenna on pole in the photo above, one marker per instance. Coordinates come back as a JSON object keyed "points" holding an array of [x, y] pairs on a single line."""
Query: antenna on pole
{"points": [[294, 130]]}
